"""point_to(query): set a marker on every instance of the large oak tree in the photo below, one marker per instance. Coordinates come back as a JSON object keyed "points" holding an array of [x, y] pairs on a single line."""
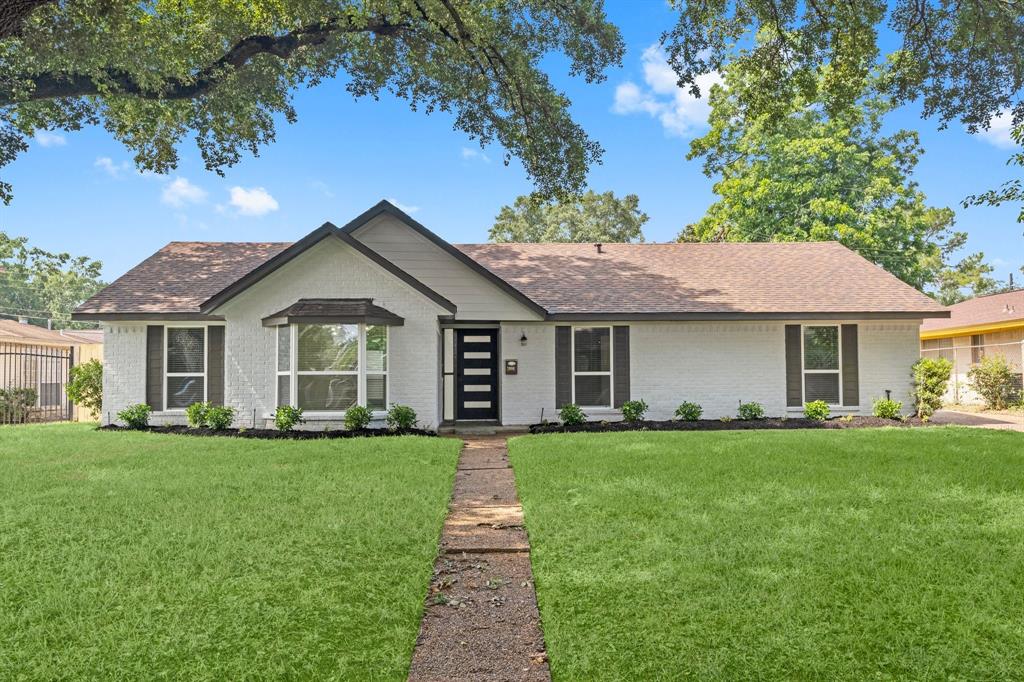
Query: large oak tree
{"points": [[963, 60], [153, 71]]}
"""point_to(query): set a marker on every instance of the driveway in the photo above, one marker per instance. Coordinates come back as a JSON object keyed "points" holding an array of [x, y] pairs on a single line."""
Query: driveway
{"points": [[981, 420]]}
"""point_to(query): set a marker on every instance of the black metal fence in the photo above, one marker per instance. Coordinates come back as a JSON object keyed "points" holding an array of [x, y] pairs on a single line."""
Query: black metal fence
{"points": [[32, 381]]}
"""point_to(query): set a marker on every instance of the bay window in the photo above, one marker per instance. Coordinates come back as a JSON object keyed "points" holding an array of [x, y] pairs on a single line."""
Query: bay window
{"points": [[185, 362], [592, 366], [331, 367], [821, 363]]}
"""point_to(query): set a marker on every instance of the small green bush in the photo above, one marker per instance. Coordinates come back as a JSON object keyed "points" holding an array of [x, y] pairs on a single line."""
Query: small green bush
{"points": [[357, 418], [219, 417], [634, 410], [931, 375], [196, 414], [135, 416], [401, 418], [689, 412], [16, 403], [85, 386], [749, 411], [885, 408], [994, 380], [287, 417], [572, 415], [816, 410]]}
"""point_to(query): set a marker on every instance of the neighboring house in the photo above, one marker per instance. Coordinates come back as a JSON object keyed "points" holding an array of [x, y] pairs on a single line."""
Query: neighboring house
{"points": [[384, 311], [39, 359], [987, 325]]}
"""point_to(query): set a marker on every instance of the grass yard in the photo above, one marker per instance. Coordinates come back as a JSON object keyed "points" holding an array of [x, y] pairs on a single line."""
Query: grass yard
{"points": [[141, 556], [870, 554]]}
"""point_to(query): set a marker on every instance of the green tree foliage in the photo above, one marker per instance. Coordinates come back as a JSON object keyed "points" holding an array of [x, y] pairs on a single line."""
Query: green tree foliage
{"points": [[994, 380], [153, 72], [813, 176], [41, 284], [591, 217], [85, 386], [962, 60], [931, 376]]}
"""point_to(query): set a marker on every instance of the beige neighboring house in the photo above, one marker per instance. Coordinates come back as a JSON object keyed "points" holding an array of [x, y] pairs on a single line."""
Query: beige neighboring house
{"points": [[983, 326], [38, 358]]}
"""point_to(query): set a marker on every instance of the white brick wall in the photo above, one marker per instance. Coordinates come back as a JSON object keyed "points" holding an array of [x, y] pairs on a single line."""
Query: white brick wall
{"points": [[533, 388], [716, 364], [331, 269]]}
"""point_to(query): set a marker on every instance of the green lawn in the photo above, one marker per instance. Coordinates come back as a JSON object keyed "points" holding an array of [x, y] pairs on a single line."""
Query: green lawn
{"points": [[141, 556], [869, 554]]}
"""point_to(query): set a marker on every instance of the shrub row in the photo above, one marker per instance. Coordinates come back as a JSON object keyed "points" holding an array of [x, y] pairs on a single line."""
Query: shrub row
{"points": [[219, 417]]}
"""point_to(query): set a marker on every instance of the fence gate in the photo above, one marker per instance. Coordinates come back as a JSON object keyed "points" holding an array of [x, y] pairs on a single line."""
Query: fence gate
{"points": [[32, 380]]}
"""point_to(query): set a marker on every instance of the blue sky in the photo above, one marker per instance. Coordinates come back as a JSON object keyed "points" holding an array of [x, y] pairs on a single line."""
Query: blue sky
{"points": [[78, 192]]}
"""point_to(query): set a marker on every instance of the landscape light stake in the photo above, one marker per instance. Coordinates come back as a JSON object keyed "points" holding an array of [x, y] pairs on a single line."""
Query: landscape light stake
{"points": [[254, 417]]}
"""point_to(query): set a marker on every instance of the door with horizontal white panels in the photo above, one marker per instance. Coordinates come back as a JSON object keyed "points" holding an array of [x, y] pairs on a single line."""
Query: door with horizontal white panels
{"points": [[476, 374]]}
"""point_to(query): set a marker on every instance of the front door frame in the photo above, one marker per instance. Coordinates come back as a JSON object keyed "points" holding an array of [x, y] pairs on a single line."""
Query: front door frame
{"points": [[495, 378]]}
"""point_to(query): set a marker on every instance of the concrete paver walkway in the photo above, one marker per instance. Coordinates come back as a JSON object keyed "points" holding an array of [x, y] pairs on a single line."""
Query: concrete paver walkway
{"points": [[481, 620]]}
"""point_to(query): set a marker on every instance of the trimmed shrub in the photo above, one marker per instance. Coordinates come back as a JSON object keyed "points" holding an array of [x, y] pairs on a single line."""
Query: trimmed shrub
{"points": [[634, 410], [994, 380], [749, 411], [689, 412], [219, 417], [887, 409], [357, 418], [135, 416], [401, 418], [287, 417], [85, 386], [196, 414], [931, 375], [816, 410], [572, 415], [16, 403]]}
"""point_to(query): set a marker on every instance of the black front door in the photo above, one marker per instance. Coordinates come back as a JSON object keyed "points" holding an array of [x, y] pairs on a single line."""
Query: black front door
{"points": [[476, 374]]}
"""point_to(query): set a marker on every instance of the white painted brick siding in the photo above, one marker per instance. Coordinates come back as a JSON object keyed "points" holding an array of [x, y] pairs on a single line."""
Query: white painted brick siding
{"points": [[714, 364], [331, 269]]}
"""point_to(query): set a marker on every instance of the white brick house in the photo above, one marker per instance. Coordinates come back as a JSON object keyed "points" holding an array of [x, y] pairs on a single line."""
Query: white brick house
{"points": [[384, 311]]}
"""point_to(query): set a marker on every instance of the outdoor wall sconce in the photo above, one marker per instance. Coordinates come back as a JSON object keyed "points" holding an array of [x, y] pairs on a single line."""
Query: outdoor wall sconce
{"points": [[522, 339]]}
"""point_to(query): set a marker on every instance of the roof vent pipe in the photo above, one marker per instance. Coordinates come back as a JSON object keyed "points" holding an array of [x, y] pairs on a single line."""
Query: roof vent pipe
{"points": [[598, 247]]}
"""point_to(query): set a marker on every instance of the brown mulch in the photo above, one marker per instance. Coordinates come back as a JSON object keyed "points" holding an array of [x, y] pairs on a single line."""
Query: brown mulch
{"points": [[481, 620], [773, 423], [271, 434]]}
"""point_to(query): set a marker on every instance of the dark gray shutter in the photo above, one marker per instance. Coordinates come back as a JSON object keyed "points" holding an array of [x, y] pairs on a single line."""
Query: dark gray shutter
{"points": [[155, 367], [563, 366], [794, 371], [851, 385], [620, 365], [215, 365]]}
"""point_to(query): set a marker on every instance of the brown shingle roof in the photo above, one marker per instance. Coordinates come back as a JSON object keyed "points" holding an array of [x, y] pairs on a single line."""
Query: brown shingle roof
{"points": [[12, 331], [992, 309], [822, 277], [776, 278], [180, 276]]}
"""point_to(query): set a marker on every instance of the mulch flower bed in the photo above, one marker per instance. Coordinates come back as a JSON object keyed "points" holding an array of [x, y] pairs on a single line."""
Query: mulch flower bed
{"points": [[272, 434], [731, 425]]}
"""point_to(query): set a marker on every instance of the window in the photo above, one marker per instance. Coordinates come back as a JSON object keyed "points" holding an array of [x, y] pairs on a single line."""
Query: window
{"points": [[331, 367], [185, 362], [821, 364], [592, 366], [49, 394], [977, 348]]}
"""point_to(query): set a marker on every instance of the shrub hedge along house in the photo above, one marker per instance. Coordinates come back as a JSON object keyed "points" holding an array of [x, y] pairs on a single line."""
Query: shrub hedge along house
{"points": [[384, 311]]}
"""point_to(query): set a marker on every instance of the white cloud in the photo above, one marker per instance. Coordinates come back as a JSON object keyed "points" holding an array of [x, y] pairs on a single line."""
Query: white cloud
{"points": [[255, 201], [402, 207], [680, 113], [112, 169], [323, 188], [180, 192], [471, 154], [47, 139], [998, 132]]}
